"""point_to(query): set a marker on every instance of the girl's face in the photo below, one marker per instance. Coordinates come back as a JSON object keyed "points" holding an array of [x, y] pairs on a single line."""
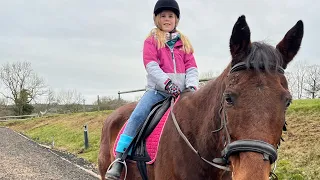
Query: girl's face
{"points": [[167, 21]]}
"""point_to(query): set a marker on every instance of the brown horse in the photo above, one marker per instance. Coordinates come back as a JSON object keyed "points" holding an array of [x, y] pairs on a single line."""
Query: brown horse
{"points": [[241, 114]]}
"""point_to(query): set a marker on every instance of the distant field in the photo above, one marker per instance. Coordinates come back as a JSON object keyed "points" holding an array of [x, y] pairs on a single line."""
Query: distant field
{"points": [[299, 154]]}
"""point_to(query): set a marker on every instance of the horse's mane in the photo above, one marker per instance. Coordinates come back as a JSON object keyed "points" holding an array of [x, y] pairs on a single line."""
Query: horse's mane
{"points": [[263, 55]]}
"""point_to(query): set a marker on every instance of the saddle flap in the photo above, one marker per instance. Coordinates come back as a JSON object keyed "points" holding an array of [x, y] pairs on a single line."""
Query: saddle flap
{"points": [[157, 116], [159, 109]]}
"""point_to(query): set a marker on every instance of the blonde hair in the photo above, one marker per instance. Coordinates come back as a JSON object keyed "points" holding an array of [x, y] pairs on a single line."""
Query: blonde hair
{"points": [[160, 36]]}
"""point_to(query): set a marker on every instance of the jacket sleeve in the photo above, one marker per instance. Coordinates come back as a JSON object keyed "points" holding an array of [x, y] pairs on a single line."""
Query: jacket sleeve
{"points": [[192, 74], [151, 63]]}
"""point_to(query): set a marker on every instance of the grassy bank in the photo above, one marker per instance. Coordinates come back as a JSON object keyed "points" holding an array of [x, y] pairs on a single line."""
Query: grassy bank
{"points": [[299, 155]]}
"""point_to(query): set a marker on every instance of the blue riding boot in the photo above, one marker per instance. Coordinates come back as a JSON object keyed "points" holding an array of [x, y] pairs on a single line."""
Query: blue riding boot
{"points": [[115, 171]]}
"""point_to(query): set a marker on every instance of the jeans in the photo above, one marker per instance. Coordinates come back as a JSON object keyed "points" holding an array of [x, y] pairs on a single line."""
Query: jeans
{"points": [[137, 118], [142, 110]]}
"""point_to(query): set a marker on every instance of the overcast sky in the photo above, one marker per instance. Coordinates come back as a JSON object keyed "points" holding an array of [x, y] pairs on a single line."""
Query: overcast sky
{"points": [[96, 46]]}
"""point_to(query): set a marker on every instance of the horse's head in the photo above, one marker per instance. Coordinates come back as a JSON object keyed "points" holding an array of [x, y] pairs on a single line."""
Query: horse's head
{"points": [[255, 99]]}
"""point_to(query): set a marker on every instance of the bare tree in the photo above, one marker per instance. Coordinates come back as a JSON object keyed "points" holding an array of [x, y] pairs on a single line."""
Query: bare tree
{"points": [[299, 74], [51, 99], [110, 103], [4, 111], [207, 75], [292, 83], [21, 84], [71, 99], [312, 80], [3, 102], [48, 103]]}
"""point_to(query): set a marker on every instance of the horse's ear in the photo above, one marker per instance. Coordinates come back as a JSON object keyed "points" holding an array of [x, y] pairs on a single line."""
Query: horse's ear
{"points": [[290, 44], [240, 40]]}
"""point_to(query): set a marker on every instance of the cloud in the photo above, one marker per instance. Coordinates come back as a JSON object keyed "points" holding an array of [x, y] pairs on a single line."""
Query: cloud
{"points": [[96, 46]]}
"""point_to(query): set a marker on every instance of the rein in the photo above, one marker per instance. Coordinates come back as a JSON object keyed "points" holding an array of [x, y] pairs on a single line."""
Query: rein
{"points": [[268, 151], [189, 144]]}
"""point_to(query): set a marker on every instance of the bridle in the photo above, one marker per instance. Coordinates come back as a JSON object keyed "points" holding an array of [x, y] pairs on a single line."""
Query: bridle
{"points": [[268, 151]]}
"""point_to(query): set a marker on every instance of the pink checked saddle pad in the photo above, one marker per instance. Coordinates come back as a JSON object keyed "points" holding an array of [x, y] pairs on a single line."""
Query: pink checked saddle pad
{"points": [[152, 141]]}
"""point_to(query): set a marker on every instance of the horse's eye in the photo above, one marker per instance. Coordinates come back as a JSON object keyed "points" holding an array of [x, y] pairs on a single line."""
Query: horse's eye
{"points": [[288, 102], [228, 98]]}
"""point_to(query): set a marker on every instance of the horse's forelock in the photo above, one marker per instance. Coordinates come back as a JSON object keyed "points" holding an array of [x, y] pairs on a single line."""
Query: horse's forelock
{"points": [[263, 55]]}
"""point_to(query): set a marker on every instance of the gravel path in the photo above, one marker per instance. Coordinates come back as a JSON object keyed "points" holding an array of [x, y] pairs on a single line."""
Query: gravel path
{"points": [[21, 158]]}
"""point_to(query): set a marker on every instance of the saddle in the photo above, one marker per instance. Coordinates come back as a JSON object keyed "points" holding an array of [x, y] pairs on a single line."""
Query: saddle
{"points": [[139, 149]]}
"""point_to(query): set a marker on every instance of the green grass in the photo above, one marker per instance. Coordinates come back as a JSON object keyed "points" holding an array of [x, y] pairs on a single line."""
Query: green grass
{"points": [[305, 106], [287, 171], [299, 155]]}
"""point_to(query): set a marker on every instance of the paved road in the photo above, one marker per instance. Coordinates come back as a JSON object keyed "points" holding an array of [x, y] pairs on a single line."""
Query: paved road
{"points": [[21, 158]]}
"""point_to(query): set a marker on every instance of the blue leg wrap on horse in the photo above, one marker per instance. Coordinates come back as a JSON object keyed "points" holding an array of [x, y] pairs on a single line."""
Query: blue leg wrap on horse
{"points": [[123, 143]]}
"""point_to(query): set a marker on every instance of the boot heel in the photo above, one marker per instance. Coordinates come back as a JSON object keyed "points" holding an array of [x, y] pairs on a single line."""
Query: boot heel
{"points": [[115, 170]]}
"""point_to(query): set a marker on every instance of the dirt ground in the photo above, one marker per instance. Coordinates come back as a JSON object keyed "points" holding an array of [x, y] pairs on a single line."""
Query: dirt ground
{"points": [[21, 158]]}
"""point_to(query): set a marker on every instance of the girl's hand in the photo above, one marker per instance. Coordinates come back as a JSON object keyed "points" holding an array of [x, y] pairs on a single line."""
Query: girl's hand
{"points": [[172, 89]]}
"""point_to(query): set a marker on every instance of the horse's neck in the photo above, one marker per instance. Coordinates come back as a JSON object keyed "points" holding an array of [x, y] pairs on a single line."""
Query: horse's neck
{"points": [[206, 116], [210, 97]]}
